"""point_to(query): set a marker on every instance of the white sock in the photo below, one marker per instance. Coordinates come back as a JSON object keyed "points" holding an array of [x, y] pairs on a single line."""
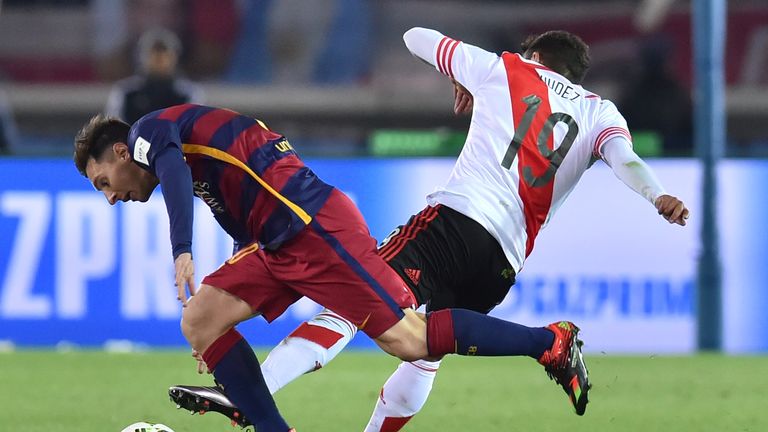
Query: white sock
{"points": [[311, 346], [402, 396]]}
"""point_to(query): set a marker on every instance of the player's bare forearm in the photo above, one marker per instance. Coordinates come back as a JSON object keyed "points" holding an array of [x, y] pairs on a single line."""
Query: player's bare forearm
{"points": [[672, 209]]}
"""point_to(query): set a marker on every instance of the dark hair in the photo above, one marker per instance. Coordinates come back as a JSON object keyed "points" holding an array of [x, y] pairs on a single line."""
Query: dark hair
{"points": [[561, 51], [96, 136]]}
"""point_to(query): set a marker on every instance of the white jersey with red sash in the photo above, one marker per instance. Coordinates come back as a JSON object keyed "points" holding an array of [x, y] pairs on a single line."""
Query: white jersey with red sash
{"points": [[533, 134]]}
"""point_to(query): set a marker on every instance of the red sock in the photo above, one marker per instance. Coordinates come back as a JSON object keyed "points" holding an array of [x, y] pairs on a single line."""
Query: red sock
{"points": [[440, 337], [221, 346], [465, 332], [236, 368], [394, 424]]}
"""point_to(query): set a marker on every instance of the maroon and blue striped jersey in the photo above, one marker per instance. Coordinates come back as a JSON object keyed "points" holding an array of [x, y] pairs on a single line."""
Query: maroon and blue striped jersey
{"points": [[249, 176]]}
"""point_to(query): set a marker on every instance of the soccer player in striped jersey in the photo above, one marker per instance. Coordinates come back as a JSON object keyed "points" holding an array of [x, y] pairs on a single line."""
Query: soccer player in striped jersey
{"points": [[303, 238], [534, 132]]}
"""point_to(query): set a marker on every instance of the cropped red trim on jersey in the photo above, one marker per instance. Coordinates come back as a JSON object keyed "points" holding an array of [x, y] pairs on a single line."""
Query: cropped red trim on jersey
{"points": [[438, 55], [528, 61], [230, 185], [277, 175], [173, 113], [605, 135], [444, 56], [523, 80], [450, 58], [208, 124], [408, 232]]}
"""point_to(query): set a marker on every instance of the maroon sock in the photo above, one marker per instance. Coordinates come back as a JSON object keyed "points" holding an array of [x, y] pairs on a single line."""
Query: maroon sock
{"points": [[221, 346], [236, 368], [465, 332], [440, 337]]}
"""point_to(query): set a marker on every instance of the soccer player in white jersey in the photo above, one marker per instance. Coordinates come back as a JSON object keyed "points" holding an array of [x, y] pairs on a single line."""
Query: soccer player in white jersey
{"points": [[534, 131]]}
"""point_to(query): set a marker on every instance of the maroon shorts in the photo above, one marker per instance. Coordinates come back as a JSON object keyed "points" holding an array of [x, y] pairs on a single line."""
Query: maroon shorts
{"points": [[333, 261]]}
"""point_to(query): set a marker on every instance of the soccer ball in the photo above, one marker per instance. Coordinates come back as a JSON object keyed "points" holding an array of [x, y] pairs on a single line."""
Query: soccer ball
{"points": [[147, 427]]}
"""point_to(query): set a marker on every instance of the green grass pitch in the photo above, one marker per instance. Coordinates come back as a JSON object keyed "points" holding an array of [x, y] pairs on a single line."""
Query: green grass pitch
{"points": [[97, 391]]}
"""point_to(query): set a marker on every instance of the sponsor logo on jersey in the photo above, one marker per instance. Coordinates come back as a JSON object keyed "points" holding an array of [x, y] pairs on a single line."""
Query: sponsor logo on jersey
{"points": [[283, 146], [141, 151], [203, 191], [413, 274]]}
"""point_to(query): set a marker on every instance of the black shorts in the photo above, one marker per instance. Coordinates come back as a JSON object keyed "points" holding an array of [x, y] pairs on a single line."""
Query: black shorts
{"points": [[449, 261]]}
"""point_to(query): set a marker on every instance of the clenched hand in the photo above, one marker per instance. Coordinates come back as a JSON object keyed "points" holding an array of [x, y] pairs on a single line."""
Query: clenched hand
{"points": [[463, 101], [672, 209]]}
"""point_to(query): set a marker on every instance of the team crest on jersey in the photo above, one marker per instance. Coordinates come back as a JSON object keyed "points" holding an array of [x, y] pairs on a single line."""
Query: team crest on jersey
{"points": [[508, 273], [141, 151]]}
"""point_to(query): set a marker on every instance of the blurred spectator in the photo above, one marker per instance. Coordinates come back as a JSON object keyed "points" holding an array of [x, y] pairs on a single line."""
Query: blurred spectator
{"points": [[8, 134], [156, 85], [656, 101], [346, 57], [211, 31], [112, 58], [39, 3], [208, 29], [251, 61], [286, 42]]}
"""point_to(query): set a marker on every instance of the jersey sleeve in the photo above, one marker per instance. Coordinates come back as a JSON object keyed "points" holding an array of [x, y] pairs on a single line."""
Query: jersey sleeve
{"points": [[610, 123], [467, 64], [629, 168], [149, 137], [156, 146]]}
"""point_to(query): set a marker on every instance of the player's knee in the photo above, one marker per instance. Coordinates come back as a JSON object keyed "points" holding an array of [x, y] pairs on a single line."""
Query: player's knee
{"points": [[187, 326], [407, 347], [193, 324], [414, 349], [407, 339], [408, 354]]}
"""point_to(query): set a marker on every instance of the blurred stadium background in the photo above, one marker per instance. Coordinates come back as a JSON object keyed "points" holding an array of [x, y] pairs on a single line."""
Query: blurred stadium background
{"points": [[335, 78]]}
